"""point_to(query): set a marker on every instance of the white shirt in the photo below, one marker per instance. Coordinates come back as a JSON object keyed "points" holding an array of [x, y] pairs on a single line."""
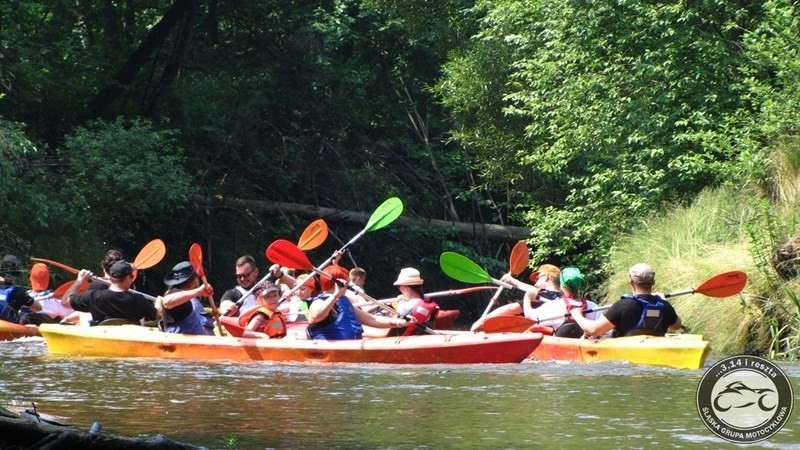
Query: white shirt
{"points": [[555, 310]]}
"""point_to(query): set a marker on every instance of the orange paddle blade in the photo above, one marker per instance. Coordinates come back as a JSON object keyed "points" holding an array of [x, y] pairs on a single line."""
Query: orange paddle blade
{"points": [[151, 254], [313, 236], [507, 324], [56, 264], [520, 257], [724, 285], [59, 292], [196, 259]]}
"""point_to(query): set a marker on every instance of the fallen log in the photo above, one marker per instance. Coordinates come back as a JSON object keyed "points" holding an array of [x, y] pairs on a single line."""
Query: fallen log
{"points": [[472, 230]]}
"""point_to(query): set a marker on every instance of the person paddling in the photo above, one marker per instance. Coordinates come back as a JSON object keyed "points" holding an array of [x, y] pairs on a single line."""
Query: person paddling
{"points": [[571, 281], [13, 297], [640, 313], [116, 302], [181, 309], [412, 302], [247, 277], [546, 288], [332, 315]]}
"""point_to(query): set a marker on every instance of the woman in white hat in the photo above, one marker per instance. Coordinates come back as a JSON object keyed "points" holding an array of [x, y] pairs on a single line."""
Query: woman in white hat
{"points": [[411, 301]]}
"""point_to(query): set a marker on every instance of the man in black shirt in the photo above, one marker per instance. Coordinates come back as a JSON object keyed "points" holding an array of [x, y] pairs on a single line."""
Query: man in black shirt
{"points": [[641, 313], [116, 302]]}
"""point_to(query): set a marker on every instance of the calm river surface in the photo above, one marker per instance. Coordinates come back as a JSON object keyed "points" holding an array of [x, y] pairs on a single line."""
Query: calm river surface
{"points": [[263, 405]]}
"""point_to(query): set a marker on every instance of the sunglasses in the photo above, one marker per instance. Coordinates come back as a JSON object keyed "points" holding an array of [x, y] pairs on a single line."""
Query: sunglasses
{"points": [[242, 276]]}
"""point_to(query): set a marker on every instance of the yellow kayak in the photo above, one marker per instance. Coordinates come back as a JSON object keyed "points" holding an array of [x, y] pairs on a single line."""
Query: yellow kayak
{"points": [[682, 351]]}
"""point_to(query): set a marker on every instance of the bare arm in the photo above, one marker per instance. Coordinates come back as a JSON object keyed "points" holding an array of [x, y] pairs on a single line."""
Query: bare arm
{"points": [[522, 286], [594, 327], [320, 309], [380, 321], [178, 298], [83, 275]]}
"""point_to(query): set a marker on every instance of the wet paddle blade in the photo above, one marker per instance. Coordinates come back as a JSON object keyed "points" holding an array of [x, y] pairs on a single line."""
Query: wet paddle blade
{"points": [[286, 254], [151, 254], [313, 236], [520, 257], [196, 259], [463, 269], [507, 324], [56, 264], [724, 285], [386, 213]]}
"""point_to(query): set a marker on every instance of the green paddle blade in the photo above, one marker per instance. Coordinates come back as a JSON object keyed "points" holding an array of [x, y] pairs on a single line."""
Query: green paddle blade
{"points": [[461, 268], [385, 214]]}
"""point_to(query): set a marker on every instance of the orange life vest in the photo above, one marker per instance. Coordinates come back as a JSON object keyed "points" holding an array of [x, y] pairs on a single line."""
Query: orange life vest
{"points": [[274, 327]]}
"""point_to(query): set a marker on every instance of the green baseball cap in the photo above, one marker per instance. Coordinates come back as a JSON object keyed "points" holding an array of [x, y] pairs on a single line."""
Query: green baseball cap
{"points": [[572, 278]]}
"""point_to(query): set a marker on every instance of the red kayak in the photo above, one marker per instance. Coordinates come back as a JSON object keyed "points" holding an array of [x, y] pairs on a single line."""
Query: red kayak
{"points": [[10, 331]]}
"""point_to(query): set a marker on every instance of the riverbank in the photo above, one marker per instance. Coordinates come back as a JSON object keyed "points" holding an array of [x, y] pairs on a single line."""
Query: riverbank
{"points": [[33, 430]]}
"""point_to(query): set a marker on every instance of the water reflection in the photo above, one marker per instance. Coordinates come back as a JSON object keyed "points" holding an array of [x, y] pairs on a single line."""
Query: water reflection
{"points": [[529, 405]]}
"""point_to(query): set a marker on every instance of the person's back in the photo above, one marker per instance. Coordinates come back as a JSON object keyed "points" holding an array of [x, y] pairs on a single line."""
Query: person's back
{"points": [[52, 311], [116, 302], [639, 313]]}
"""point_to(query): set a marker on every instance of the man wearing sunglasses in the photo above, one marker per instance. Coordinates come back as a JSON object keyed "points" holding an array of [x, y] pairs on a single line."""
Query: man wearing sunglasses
{"points": [[246, 277]]}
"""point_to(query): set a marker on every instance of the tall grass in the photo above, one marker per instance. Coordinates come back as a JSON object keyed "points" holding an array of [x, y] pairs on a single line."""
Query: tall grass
{"points": [[687, 246], [730, 228]]}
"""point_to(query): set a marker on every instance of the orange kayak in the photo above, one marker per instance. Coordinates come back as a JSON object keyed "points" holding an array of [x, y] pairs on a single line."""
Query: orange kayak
{"points": [[132, 341], [10, 331]]}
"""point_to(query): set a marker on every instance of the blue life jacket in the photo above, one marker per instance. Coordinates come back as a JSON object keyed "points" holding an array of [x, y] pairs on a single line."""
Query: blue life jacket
{"points": [[651, 317], [341, 322], [7, 313], [194, 323]]}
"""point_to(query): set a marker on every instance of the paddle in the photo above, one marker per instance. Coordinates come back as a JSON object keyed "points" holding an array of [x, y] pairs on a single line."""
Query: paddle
{"points": [[518, 261], [450, 293], [312, 237], [287, 254], [385, 214], [196, 259], [719, 286], [463, 269], [150, 255]]}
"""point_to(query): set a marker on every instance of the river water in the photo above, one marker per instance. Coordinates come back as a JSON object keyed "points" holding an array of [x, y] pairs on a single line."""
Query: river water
{"points": [[262, 405]]}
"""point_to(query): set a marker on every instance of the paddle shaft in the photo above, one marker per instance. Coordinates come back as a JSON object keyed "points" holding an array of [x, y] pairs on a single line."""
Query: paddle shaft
{"points": [[214, 309], [372, 300]]}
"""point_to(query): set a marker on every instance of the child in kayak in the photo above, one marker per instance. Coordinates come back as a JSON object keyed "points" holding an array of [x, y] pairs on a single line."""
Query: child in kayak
{"points": [[571, 281], [264, 321]]}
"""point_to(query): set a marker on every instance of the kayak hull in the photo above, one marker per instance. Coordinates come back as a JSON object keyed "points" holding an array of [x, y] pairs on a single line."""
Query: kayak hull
{"points": [[143, 342], [682, 351], [10, 331]]}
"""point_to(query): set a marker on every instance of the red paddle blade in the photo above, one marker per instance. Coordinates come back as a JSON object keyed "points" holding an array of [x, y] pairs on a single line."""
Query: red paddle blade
{"points": [[196, 259], [508, 324], [151, 254], [286, 254], [520, 256], [724, 285], [313, 236]]}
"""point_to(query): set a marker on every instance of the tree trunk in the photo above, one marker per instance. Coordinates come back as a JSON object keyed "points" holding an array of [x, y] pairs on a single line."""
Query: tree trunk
{"points": [[491, 232], [139, 57]]}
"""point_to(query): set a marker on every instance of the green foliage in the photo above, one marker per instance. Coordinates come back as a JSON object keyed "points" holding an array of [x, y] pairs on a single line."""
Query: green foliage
{"points": [[127, 177], [604, 106]]}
